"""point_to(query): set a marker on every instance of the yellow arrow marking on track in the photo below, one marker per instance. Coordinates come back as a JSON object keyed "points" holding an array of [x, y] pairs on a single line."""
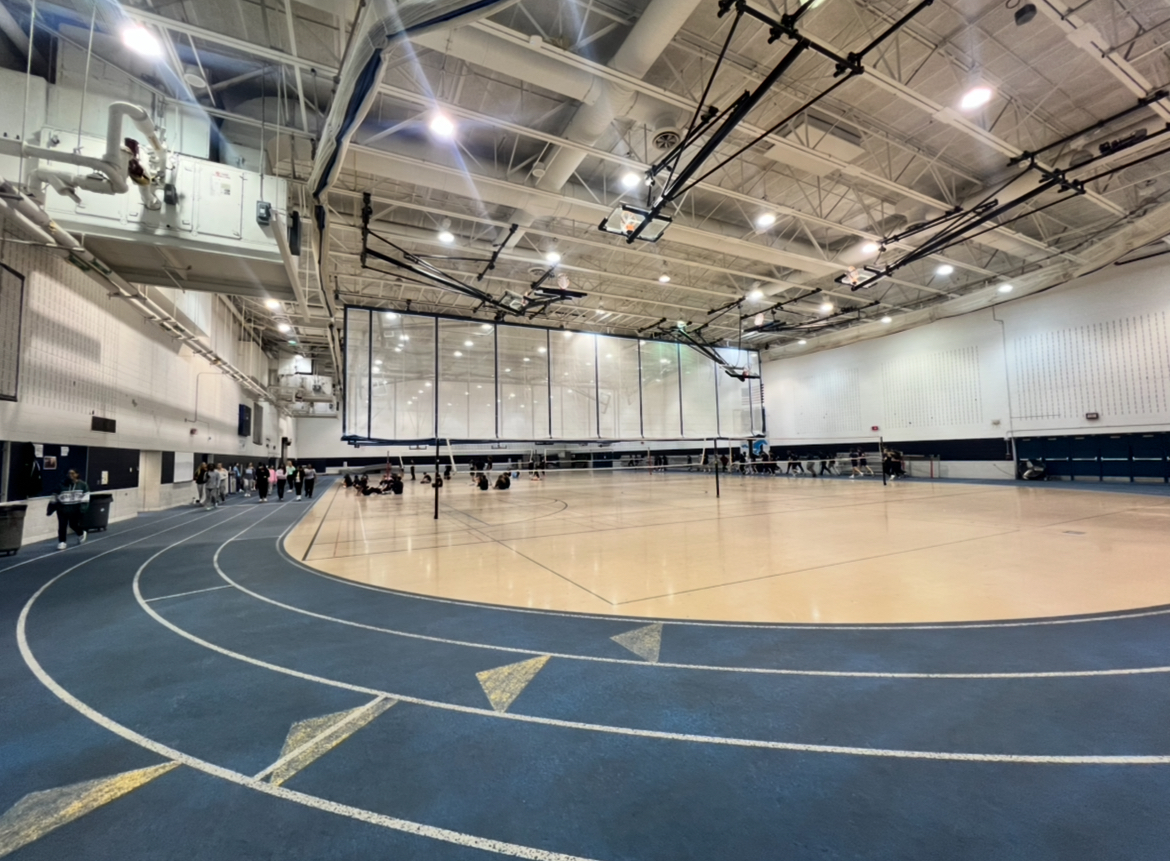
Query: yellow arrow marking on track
{"points": [[503, 684], [643, 642], [308, 740], [38, 813]]}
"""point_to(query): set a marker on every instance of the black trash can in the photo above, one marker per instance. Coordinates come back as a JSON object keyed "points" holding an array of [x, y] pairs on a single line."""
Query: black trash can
{"points": [[97, 518], [11, 527]]}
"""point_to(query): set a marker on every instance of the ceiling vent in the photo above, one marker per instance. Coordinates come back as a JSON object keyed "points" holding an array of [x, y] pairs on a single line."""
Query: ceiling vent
{"points": [[666, 139]]}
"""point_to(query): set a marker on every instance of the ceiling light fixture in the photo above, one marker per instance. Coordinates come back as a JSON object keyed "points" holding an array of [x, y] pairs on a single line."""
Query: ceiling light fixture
{"points": [[442, 126], [283, 327], [469, 343], [631, 180], [458, 354], [944, 270], [765, 220], [271, 304], [756, 295], [446, 237], [141, 41], [802, 342], [552, 256], [663, 278], [870, 248], [1006, 288], [976, 97], [887, 319], [826, 307]]}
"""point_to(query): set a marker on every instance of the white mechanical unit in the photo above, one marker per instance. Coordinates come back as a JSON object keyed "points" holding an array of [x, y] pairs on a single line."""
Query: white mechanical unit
{"points": [[208, 238]]}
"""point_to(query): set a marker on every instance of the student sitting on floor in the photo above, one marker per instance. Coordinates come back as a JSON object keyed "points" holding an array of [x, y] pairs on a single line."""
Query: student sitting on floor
{"points": [[482, 482], [503, 482], [396, 485], [426, 478]]}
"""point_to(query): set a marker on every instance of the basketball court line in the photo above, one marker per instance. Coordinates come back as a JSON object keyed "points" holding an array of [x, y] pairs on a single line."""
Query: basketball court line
{"points": [[767, 671], [1111, 616]]}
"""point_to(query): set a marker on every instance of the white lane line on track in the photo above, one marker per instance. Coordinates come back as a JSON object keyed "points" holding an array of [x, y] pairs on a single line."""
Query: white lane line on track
{"points": [[949, 756], [354, 715], [763, 671], [470, 840], [185, 594], [93, 541]]}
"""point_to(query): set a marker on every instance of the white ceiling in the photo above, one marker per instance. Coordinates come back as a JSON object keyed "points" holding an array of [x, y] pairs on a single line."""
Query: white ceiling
{"points": [[919, 154]]}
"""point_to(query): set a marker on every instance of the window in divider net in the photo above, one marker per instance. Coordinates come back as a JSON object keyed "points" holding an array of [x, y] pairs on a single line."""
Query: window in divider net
{"points": [[574, 385], [619, 388], [661, 412], [467, 380], [523, 382], [699, 373], [403, 395], [357, 372], [735, 419]]}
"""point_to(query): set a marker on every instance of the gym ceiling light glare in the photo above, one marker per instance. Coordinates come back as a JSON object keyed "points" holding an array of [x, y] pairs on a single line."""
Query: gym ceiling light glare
{"points": [[552, 256], [284, 327], [826, 307], [944, 270], [442, 126], [765, 220], [870, 248], [631, 180], [976, 97], [141, 41], [756, 295], [802, 342], [1006, 288], [271, 304], [663, 278], [887, 320]]}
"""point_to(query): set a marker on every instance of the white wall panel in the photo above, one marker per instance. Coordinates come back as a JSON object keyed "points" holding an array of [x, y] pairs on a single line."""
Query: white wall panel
{"points": [[84, 353], [1100, 344]]}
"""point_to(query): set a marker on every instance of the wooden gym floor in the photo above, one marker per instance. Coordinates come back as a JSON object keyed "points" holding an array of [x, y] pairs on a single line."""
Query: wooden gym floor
{"points": [[773, 550]]}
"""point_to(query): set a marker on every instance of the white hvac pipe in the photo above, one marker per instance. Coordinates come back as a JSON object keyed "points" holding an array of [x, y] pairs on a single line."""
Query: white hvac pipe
{"points": [[113, 165], [382, 24], [645, 43]]}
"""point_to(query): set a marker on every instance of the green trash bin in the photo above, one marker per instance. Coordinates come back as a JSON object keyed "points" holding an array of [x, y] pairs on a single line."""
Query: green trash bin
{"points": [[97, 518], [11, 527]]}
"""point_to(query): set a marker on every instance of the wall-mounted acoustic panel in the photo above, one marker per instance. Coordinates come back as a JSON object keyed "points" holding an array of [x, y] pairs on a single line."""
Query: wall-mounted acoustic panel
{"points": [[1117, 367]]}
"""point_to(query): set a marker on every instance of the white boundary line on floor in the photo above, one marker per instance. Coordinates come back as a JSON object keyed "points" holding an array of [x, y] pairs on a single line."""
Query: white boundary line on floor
{"points": [[92, 541], [185, 594], [948, 756], [1124, 671], [1118, 616], [486, 844]]}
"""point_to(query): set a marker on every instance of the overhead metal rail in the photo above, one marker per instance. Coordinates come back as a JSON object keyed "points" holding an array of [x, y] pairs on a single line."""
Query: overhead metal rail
{"points": [[676, 173], [424, 272], [963, 224]]}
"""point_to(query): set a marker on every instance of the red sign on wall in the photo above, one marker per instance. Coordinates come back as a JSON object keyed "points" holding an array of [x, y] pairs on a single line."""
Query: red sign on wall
{"points": [[875, 428]]}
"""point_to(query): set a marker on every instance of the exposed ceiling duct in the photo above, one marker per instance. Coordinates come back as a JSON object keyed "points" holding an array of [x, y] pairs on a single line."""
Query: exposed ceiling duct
{"points": [[655, 29], [381, 25]]}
